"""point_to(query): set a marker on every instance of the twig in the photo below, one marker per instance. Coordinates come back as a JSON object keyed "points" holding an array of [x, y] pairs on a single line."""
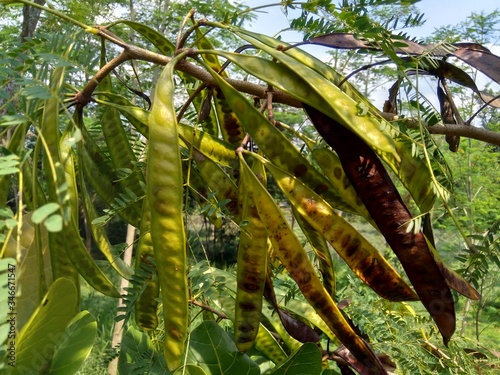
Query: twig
{"points": [[467, 131], [220, 314]]}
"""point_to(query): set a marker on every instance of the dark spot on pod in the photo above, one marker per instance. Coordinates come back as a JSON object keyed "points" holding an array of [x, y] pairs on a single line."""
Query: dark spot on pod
{"points": [[337, 172], [247, 306], [300, 170], [245, 328], [345, 183], [346, 240], [244, 339], [320, 189], [318, 300], [352, 247], [250, 286]]}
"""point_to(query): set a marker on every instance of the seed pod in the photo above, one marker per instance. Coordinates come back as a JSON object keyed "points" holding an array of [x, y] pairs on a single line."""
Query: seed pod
{"points": [[251, 270], [374, 186], [292, 255], [165, 198], [365, 261], [312, 88], [146, 305], [278, 148], [448, 118]]}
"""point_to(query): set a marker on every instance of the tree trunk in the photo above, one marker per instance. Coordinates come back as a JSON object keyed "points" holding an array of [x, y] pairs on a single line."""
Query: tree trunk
{"points": [[117, 331], [31, 16]]}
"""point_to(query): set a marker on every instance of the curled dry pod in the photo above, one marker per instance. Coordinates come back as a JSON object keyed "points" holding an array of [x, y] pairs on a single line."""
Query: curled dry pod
{"points": [[379, 195]]}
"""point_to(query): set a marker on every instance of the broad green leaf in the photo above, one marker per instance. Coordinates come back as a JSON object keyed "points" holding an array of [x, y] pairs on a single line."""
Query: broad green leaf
{"points": [[37, 340], [54, 223], [190, 370], [40, 214], [214, 351], [75, 345], [305, 361], [28, 278], [138, 355]]}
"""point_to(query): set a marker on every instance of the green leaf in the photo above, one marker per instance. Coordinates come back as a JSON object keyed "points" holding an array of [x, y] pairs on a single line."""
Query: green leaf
{"points": [[37, 340], [36, 92], [41, 213], [190, 370], [75, 346], [305, 361], [9, 164], [214, 351], [138, 355], [54, 223]]}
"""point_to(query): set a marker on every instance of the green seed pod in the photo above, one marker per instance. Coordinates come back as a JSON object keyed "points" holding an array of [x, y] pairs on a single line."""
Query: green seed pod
{"points": [[165, 198], [146, 306], [252, 267]]}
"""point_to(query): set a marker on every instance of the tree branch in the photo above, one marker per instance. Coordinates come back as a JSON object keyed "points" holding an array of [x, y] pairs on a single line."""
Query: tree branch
{"points": [[481, 134], [467, 131], [132, 52]]}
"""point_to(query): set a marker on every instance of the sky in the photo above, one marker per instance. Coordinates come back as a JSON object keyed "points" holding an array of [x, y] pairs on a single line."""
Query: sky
{"points": [[437, 13]]}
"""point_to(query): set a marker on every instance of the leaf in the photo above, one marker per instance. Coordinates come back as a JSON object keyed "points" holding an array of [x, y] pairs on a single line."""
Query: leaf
{"points": [[9, 164], [54, 223], [41, 213], [214, 351], [36, 92], [306, 360], [190, 370], [75, 346], [138, 355], [37, 340], [29, 279]]}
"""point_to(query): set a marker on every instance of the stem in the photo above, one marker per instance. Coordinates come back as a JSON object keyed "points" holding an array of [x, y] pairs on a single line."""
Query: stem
{"points": [[85, 96]]}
